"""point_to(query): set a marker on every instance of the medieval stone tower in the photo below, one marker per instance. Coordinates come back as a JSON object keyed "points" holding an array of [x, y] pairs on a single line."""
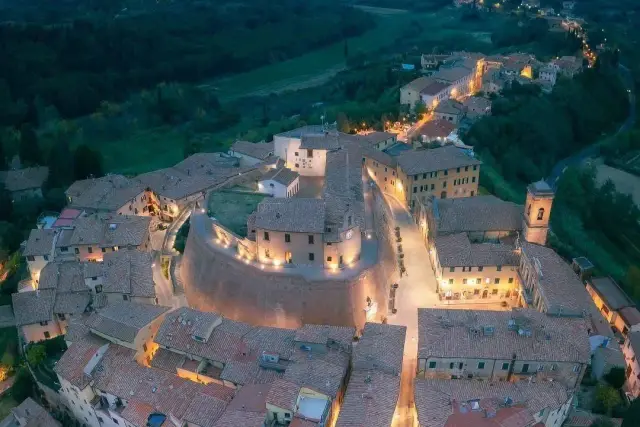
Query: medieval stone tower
{"points": [[537, 211]]}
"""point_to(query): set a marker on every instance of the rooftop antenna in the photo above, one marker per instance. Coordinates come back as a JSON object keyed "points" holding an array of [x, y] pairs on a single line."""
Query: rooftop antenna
{"points": [[324, 129]]}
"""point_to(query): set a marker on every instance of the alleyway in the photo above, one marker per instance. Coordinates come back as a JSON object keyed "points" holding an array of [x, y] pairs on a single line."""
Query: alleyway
{"points": [[416, 289]]}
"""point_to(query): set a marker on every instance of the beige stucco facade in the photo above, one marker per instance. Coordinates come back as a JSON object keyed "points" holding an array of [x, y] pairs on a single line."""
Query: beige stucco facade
{"points": [[41, 331], [486, 283], [450, 183], [282, 248], [536, 217], [633, 368]]}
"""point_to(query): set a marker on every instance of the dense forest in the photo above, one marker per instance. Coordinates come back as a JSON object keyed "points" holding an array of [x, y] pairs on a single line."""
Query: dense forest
{"points": [[76, 65]]}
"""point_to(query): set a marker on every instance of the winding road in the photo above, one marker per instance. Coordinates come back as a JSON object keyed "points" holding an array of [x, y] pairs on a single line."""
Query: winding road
{"points": [[594, 149]]}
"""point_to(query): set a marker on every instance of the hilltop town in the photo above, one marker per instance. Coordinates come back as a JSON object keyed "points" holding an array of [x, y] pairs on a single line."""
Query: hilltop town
{"points": [[325, 277]]}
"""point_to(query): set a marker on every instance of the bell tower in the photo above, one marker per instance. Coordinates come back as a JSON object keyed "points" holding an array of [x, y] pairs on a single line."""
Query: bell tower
{"points": [[537, 210]]}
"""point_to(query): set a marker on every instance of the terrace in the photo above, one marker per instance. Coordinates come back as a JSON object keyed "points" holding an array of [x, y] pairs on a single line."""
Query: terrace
{"points": [[231, 208]]}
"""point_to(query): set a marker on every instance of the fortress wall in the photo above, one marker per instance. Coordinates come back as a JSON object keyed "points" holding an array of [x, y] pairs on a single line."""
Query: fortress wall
{"points": [[214, 281]]}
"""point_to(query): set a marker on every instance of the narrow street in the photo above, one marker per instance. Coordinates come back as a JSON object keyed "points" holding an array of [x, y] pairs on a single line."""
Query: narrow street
{"points": [[416, 289]]}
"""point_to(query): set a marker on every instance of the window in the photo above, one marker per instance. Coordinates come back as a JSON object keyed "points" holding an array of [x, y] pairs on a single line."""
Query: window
{"points": [[415, 178], [494, 292], [104, 250], [31, 258], [451, 365], [460, 365], [144, 347], [287, 415], [45, 323], [46, 257], [64, 249], [312, 256], [446, 172], [266, 236], [424, 176], [480, 365], [554, 366], [529, 210], [475, 167], [287, 238], [452, 269], [499, 268], [464, 281], [433, 186], [480, 268], [47, 335], [451, 281], [329, 259], [90, 249], [432, 365], [444, 184], [76, 250], [505, 366], [540, 213], [510, 279], [61, 316], [466, 168], [310, 153], [98, 289], [525, 368], [311, 240], [458, 170], [496, 280], [576, 368], [125, 297], [478, 281], [415, 189]]}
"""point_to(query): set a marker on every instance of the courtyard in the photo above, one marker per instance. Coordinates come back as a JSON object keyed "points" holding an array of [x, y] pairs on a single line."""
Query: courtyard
{"points": [[232, 207]]}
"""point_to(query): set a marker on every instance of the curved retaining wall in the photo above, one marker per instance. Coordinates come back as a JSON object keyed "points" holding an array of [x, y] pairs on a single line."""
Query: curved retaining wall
{"points": [[217, 282]]}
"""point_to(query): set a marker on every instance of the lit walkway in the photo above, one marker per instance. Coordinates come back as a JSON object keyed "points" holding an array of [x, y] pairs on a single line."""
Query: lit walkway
{"points": [[416, 289]]}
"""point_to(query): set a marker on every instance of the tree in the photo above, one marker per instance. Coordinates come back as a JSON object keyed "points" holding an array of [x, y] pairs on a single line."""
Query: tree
{"points": [[346, 49], [343, 123], [36, 355], [632, 416], [60, 164], [607, 397], [87, 162], [6, 204], [23, 385], [29, 149], [602, 422], [420, 109], [616, 377]]}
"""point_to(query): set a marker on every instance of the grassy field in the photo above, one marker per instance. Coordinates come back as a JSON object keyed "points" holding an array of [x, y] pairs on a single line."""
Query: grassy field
{"points": [[624, 181], [232, 209]]}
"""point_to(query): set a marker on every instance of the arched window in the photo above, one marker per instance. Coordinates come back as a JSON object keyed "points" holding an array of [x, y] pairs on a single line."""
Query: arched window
{"points": [[540, 213]]}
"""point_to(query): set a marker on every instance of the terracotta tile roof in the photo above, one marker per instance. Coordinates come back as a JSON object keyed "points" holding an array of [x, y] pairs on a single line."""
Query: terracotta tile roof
{"points": [[283, 176], [77, 329], [33, 414], [283, 394], [373, 138], [444, 333], [64, 238], [107, 230], [477, 103], [370, 400], [584, 419], [123, 320], [40, 242], [450, 106], [438, 128], [71, 365], [611, 293], [450, 75], [434, 88], [634, 341], [421, 161], [441, 403], [137, 412], [479, 213], [419, 84], [257, 150], [195, 174], [128, 272], [326, 335], [248, 372], [301, 422], [235, 418], [380, 348], [24, 179], [560, 287], [455, 250], [93, 269], [33, 307], [325, 141], [317, 373], [380, 157], [118, 374], [106, 194], [291, 215], [64, 276], [167, 360], [72, 303], [630, 315]]}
